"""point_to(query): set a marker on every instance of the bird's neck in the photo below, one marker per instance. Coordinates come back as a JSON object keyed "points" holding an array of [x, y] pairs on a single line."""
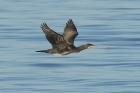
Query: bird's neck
{"points": [[82, 47]]}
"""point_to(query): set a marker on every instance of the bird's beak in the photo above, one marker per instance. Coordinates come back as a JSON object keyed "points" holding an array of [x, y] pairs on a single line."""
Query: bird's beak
{"points": [[90, 46]]}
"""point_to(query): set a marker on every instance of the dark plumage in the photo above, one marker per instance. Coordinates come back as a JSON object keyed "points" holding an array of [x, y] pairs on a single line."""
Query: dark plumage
{"points": [[63, 44]]}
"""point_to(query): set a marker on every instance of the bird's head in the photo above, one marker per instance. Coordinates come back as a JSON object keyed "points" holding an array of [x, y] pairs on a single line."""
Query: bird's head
{"points": [[86, 46], [89, 45]]}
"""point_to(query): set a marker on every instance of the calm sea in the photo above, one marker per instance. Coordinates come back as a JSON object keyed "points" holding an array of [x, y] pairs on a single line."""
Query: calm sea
{"points": [[111, 67]]}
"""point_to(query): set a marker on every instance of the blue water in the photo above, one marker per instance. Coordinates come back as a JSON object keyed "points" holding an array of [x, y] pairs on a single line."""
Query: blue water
{"points": [[111, 67]]}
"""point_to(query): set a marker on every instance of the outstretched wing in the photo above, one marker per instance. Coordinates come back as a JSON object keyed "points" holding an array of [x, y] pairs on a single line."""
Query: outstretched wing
{"points": [[53, 37], [70, 32]]}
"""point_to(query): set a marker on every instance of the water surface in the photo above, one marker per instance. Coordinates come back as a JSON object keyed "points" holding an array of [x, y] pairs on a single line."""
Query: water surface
{"points": [[111, 67]]}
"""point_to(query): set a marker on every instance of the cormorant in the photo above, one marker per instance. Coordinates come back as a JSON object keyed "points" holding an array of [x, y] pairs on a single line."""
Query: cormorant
{"points": [[63, 44]]}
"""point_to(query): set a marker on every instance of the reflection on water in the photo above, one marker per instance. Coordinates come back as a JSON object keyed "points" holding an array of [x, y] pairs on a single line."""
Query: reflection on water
{"points": [[110, 67]]}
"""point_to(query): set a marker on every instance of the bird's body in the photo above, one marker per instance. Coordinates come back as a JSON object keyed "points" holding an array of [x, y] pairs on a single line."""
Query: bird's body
{"points": [[63, 44]]}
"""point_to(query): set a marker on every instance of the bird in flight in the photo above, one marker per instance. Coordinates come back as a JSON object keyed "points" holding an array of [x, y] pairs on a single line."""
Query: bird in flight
{"points": [[63, 44]]}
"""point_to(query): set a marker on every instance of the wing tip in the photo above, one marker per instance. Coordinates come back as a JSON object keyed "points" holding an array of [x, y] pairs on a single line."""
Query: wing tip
{"points": [[70, 19], [44, 25], [70, 22]]}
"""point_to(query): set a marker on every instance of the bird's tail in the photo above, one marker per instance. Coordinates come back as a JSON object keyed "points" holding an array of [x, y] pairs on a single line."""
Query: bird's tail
{"points": [[46, 51]]}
